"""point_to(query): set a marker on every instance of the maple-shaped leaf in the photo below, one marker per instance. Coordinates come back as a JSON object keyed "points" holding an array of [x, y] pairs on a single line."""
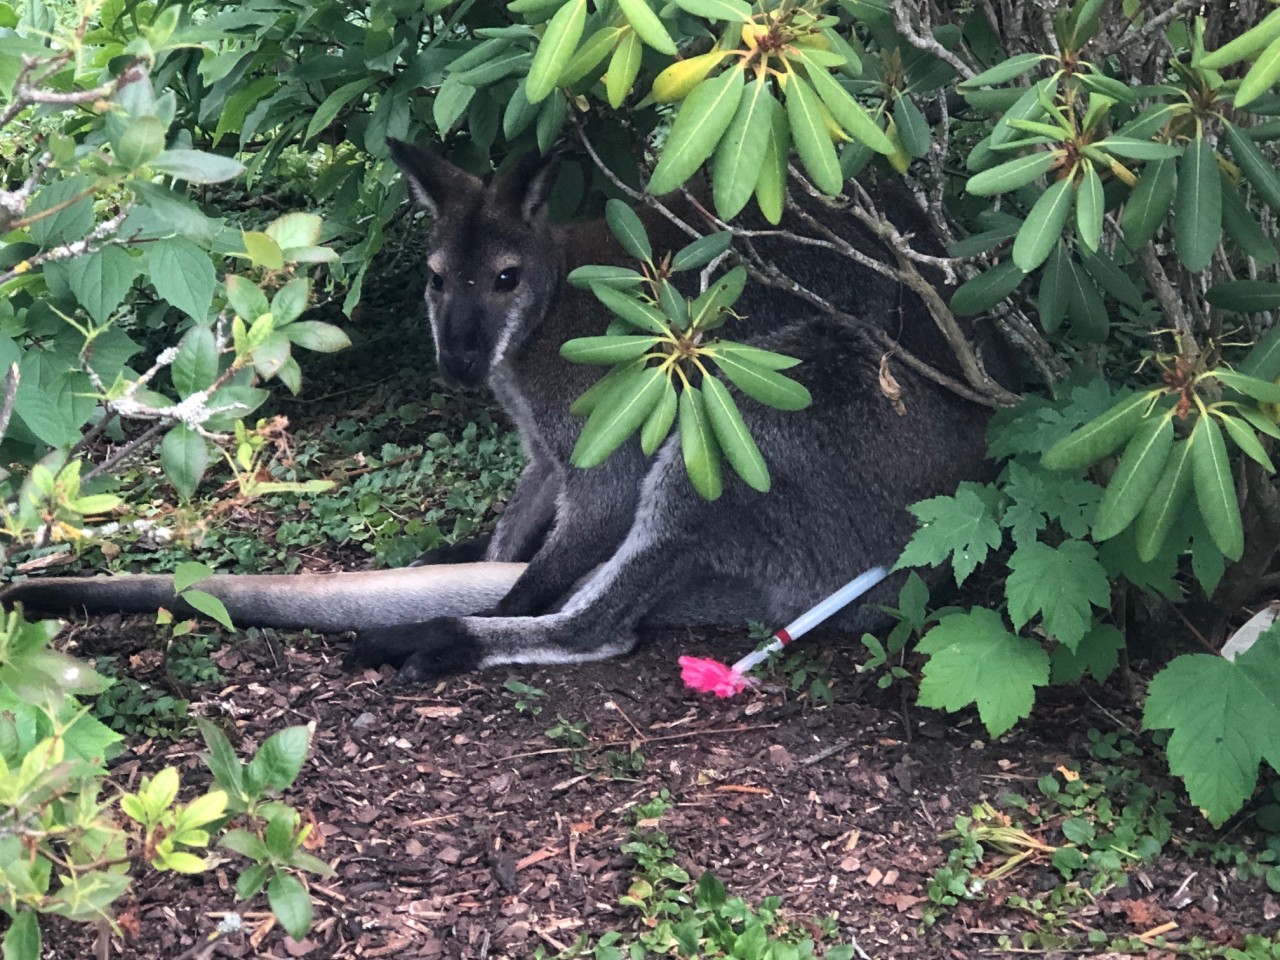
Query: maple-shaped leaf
{"points": [[1098, 653], [1042, 495], [1061, 583], [1036, 425], [1225, 718], [973, 658], [962, 527]]}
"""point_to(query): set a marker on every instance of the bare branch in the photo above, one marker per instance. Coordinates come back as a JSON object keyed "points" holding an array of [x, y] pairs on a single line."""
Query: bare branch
{"points": [[1152, 25], [921, 40], [102, 232]]}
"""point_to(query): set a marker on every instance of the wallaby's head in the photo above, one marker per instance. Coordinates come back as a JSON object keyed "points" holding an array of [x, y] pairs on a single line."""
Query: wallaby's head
{"points": [[493, 259]]}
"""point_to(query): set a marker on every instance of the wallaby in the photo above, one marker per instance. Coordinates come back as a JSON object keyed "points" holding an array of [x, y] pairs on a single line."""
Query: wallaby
{"points": [[627, 543]]}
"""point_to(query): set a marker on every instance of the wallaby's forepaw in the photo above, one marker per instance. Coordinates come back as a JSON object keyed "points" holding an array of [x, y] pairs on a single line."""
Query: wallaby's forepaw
{"points": [[421, 651]]}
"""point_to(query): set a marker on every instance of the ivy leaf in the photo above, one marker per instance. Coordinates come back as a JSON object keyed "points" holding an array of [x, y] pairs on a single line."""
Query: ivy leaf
{"points": [[974, 659], [1059, 583], [1225, 719], [961, 527]]}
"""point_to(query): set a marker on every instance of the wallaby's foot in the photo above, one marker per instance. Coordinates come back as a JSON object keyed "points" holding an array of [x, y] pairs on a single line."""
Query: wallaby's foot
{"points": [[420, 651], [469, 551]]}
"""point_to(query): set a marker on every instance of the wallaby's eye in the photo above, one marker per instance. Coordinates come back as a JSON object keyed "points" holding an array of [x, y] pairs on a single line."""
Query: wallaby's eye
{"points": [[437, 281], [507, 280]]}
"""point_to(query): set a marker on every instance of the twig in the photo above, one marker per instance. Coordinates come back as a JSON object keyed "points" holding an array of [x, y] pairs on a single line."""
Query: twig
{"points": [[717, 731], [129, 448], [830, 751], [68, 250], [1154, 24], [927, 43], [11, 381]]}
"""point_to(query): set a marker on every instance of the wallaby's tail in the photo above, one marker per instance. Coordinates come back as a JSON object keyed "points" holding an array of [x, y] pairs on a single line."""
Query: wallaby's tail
{"points": [[327, 602]]}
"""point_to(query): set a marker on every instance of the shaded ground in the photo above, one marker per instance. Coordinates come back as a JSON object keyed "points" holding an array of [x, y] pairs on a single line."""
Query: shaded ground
{"points": [[459, 829]]}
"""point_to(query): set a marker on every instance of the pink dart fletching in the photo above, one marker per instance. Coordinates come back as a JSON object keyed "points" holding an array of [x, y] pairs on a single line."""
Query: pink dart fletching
{"points": [[711, 676]]}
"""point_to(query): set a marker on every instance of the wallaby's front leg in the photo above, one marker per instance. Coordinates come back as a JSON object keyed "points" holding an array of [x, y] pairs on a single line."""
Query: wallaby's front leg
{"points": [[591, 521]]}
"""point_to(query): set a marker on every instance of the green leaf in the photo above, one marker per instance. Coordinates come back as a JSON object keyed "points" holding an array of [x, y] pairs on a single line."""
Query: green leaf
{"points": [[733, 10], [960, 527], [1242, 226], [698, 445], [1136, 476], [1198, 206], [1061, 583], [22, 939], [735, 439], [289, 302], [317, 335], [1165, 503], [1005, 71], [222, 760], [1257, 169], [184, 455], [658, 425], [280, 758], [624, 67], [847, 112], [626, 226], [71, 222], [1026, 107], [555, 49], [1089, 208], [974, 659], [704, 116], [979, 294], [618, 415], [1102, 268], [1263, 390], [1263, 361], [754, 355], [1100, 436], [809, 131], [737, 162], [291, 904], [1245, 45], [1137, 149], [647, 25], [42, 416], [913, 129], [188, 574], [141, 140], [607, 350], [702, 251], [633, 311], [1225, 719], [1215, 489], [1013, 174], [449, 104], [210, 606], [1261, 76], [263, 251], [1244, 296], [183, 275], [333, 104], [620, 277], [196, 166], [1043, 226], [1247, 441], [771, 186], [1149, 204], [101, 279], [1098, 653], [1089, 319], [245, 298], [760, 383], [1055, 288]]}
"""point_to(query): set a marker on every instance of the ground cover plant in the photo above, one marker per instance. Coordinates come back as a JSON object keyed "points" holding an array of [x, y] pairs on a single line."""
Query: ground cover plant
{"points": [[193, 190]]}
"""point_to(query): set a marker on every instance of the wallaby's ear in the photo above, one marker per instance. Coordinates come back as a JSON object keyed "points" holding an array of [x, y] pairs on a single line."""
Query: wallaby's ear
{"points": [[433, 181], [528, 184]]}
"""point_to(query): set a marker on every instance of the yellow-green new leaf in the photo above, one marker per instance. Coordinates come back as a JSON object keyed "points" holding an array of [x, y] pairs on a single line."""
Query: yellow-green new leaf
{"points": [[1261, 76], [1100, 436], [702, 121], [591, 54], [1135, 478], [618, 415], [1043, 226], [1215, 488], [733, 436], [737, 164], [624, 66], [770, 388], [698, 445], [556, 49], [647, 25], [1165, 503], [813, 142], [1245, 45]]}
